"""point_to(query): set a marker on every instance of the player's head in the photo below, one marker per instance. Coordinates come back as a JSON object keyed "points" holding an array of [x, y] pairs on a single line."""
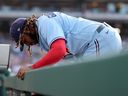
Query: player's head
{"points": [[17, 28], [24, 31]]}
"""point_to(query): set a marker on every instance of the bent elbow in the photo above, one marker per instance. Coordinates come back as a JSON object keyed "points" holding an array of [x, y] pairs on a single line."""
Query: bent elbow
{"points": [[61, 51]]}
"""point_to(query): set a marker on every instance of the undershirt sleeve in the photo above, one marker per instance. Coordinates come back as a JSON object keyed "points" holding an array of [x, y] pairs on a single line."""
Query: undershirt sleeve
{"points": [[56, 53]]}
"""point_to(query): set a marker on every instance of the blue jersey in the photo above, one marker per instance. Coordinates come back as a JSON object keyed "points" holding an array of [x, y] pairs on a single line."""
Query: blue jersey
{"points": [[77, 32]]}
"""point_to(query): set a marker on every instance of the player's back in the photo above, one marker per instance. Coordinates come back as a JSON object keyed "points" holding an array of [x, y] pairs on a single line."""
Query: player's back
{"points": [[75, 29], [74, 24]]}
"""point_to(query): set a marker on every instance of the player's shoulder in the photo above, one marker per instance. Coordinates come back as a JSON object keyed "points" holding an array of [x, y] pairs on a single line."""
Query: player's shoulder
{"points": [[43, 19]]}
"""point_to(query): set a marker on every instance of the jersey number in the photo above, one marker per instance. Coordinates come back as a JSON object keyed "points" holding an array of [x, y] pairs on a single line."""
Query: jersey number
{"points": [[50, 15]]}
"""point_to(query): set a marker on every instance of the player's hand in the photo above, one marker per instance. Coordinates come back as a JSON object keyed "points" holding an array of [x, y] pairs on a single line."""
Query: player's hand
{"points": [[22, 71]]}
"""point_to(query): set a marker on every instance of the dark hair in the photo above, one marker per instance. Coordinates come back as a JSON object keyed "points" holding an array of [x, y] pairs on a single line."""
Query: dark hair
{"points": [[30, 29]]}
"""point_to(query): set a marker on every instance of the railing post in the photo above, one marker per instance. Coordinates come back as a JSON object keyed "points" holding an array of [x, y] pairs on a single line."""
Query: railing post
{"points": [[3, 73]]}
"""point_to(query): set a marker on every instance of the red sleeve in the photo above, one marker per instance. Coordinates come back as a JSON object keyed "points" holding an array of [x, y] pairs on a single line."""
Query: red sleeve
{"points": [[55, 54]]}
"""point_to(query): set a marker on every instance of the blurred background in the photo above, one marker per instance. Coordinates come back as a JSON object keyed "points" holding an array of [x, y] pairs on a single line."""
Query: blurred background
{"points": [[114, 12]]}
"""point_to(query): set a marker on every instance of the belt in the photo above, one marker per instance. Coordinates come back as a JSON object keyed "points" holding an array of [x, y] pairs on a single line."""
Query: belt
{"points": [[100, 28]]}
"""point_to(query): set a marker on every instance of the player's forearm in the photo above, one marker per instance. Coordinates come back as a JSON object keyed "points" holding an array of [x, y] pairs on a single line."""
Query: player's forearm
{"points": [[54, 55]]}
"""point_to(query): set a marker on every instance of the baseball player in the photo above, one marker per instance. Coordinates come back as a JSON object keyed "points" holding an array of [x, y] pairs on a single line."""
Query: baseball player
{"points": [[62, 35]]}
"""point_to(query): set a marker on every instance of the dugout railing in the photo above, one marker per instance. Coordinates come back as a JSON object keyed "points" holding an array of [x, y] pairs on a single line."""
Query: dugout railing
{"points": [[101, 77]]}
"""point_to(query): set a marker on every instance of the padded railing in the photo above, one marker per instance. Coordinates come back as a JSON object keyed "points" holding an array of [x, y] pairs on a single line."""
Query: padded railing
{"points": [[102, 77]]}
